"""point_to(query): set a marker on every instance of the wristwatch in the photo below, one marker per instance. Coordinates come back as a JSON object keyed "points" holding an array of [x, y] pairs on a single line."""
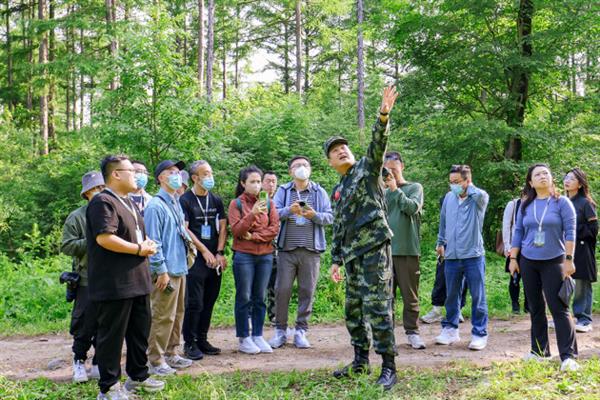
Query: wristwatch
{"points": [[569, 257]]}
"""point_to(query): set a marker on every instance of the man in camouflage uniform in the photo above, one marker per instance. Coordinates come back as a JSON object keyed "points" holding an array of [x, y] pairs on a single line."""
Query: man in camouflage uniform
{"points": [[361, 243]]}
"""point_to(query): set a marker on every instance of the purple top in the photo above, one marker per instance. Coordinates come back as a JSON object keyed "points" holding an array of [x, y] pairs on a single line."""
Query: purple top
{"points": [[559, 226]]}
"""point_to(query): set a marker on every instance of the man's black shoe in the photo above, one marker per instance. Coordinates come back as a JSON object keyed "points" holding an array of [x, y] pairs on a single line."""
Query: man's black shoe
{"points": [[388, 378], [360, 365], [208, 348], [192, 351]]}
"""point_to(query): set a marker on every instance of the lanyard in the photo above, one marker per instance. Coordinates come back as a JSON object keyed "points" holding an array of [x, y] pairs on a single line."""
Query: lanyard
{"points": [[204, 211], [543, 214], [131, 208]]}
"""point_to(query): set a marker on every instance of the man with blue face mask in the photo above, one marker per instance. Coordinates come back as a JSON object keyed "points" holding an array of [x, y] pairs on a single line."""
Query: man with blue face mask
{"points": [[140, 197], [460, 243], [166, 227], [304, 210], [207, 225]]}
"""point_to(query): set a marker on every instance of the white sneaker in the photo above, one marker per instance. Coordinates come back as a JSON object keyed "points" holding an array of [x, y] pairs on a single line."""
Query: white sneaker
{"points": [[94, 372], [448, 336], [79, 373], [415, 341], [300, 340], [148, 385], [461, 319], [248, 346], [535, 357], [583, 328], [279, 339], [114, 393], [178, 362], [478, 342], [161, 370], [569, 365], [433, 316], [262, 344]]}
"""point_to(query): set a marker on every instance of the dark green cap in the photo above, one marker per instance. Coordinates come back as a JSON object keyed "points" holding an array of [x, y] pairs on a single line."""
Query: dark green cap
{"points": [[329, 143]]}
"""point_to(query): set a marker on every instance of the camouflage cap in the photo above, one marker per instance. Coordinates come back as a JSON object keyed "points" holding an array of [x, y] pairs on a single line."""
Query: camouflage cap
{"points": [[329, 143]]}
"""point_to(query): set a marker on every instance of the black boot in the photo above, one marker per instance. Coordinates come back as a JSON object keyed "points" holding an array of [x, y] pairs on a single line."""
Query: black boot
{"points": [[388, 378], [360, 365], [208, 348]]}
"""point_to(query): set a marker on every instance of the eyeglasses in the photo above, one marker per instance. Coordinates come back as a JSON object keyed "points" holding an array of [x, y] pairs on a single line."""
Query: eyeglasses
{"points": [[141, 171]]}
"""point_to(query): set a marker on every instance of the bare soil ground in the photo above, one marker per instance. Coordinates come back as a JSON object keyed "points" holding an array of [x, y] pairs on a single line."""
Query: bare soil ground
{"points": [[29, 357]]}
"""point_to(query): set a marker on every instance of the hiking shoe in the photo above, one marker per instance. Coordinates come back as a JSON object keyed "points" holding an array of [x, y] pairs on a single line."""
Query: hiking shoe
{"points": [[535, 357], [248, 346], [208, 348], [79, 373], [279, 339], [300, 340], [192, 351], [149, 385], [448, 336], [415, 341], [262, 344], [388, 378], [478, 342], [114, 393], [94, 372], [433, 316], [583, 328], [569, 365], [161, 370], [178, 362]]}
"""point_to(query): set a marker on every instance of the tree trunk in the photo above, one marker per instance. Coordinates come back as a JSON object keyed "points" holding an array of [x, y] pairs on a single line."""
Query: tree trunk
{"points": [[9, 60], [68, 78], [52, 91], [91, 96], [573, 74], [43, 60], [210, 49], [360, 67], [28, 38], [224, 67], [200, 46], [110, 29], [81, 82], [519, 89], [306, 55], [299, 47], [236, 51], [286, 57]]}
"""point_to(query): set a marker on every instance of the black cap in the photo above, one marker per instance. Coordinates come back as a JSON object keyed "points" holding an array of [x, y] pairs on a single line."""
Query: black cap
{"points": [[167, 164], [329, 143]]}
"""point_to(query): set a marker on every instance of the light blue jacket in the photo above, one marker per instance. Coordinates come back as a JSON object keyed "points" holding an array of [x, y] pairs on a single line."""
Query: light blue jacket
{"points": [[322, 206], [461, 224], [162, 221]]}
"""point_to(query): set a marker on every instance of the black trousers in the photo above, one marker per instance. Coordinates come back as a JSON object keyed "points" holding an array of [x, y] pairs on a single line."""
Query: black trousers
{"points": [[514, 288], [271, 291], [438, 293], [118, 320], [203, 287], [543, 279], [83, 325]]}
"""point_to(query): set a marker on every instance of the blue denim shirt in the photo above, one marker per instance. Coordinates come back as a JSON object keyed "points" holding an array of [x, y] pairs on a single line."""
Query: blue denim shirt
{"points": [[322, 206], [161, 226], [461, 224]]}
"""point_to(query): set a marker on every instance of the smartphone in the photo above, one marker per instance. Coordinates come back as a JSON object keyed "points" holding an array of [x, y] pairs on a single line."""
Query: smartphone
{"points": [[264, 196], [302, 204]]}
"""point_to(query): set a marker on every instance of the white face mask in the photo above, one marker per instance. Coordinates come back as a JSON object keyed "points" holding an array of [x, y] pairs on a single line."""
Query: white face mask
{"points": [[302, 173]]}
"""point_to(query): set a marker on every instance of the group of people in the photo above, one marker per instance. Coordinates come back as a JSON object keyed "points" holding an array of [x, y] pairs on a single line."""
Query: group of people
{"points": [[150, 267]]}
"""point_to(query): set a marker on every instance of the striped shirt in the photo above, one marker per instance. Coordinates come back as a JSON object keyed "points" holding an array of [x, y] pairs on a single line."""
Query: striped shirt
{"points": [[297, 236]]}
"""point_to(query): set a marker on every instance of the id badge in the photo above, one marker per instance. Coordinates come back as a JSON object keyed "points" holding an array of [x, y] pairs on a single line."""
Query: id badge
{"points": [[205, 232], [539, 239], [138, 236], [300, 221]]}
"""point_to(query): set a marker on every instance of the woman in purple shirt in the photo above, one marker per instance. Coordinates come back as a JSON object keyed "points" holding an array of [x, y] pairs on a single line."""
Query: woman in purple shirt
{"points": [[545, 238]]}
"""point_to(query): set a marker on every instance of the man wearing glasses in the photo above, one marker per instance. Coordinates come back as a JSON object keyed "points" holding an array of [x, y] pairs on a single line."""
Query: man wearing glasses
{"points": [[140, 197], [304, 210], [460, 243], [119, 281]]}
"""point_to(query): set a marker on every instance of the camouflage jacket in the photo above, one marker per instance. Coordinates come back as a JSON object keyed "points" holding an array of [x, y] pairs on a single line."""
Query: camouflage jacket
{"points": [[359, 209]]}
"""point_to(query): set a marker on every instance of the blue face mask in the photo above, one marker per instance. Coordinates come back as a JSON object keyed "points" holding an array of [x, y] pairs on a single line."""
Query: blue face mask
{"points": [[208, 183], [456, 189], [141, 180], [175, 181]]}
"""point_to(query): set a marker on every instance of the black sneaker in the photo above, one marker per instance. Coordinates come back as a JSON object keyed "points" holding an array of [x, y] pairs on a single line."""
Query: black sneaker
{"points": [[192, 351], [208, 348]]}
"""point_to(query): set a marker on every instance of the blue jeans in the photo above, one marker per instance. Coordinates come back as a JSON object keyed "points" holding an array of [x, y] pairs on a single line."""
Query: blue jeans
{"points": [[251, 274], [582, 301], [473, 270]]}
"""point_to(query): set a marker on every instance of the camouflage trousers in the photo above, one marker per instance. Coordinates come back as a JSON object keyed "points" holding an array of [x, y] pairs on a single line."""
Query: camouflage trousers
{"points": [[369, 300]]}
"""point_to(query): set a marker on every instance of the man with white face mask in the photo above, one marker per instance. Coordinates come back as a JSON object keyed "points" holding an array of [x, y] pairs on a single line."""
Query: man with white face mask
{"points": [[304, 210]]}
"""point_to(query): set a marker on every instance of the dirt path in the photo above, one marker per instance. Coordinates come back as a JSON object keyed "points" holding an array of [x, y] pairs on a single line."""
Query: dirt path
{"points": [[29, 357]]}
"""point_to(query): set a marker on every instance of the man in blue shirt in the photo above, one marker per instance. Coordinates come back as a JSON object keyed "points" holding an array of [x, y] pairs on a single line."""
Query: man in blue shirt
{"points": [[461, 244], [168, 266]]}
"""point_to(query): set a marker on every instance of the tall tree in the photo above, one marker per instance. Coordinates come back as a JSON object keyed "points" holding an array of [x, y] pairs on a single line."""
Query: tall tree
{"points": [[200, 73], [210, 49], [360, 66], [298, 14], [43, 60], [9, 58], [111, 20]]}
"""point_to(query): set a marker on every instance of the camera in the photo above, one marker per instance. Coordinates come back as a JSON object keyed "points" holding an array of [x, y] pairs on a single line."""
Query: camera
{"points": [[71, 279], [302, 204]]}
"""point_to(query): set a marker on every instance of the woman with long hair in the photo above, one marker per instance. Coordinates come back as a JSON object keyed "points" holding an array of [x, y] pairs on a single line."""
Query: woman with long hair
{"points": [[577, 188], [254, 223], [545, 239]]}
